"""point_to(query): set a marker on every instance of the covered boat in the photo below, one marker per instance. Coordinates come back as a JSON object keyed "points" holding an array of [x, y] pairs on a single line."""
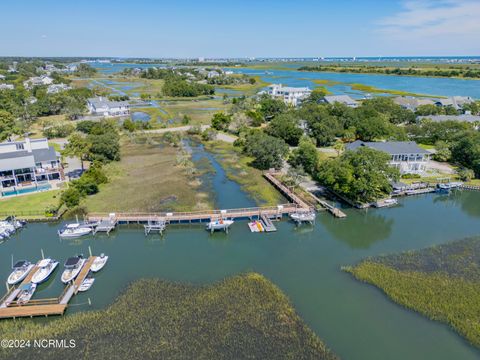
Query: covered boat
{"points": [[46, 268], [73, 266], [26, 293], [303, 216], [20, 271], [219, 225]]}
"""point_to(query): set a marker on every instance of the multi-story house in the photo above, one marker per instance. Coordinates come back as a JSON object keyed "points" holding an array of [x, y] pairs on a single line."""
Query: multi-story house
{"points": [[28, 163], [406, 156], [104, 107], [290, 95]]}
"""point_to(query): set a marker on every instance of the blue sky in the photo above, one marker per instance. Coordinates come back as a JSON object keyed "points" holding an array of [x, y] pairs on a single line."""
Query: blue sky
{"points": [[231, 28]]}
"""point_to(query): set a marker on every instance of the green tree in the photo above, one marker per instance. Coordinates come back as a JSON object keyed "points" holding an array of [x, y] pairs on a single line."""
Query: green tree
{"points": [[7, 124], [78, 146], [362, 176], [267, 151], [443, 152], [71, 197], [466, 151], [270, 107], [305, 155], [466, 174], [285, 126], [221, 121]]}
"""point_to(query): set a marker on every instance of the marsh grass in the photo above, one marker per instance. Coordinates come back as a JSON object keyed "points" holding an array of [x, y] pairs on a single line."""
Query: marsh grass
{"points": [[440, 282], [242, 317], [237, 167]]}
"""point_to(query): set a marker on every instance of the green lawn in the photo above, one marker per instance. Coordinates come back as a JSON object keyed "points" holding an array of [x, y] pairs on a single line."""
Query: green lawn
{"points": [[29, 206]]}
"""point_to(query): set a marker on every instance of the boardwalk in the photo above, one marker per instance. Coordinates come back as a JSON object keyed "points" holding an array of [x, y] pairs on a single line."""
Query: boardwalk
{"points": [[42, 307]]}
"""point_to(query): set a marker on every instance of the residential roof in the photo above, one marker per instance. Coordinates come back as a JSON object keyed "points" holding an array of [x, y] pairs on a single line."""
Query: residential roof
{"points": [[16, 160], [390, 147], [344, 99], [102, 102], [463, 117], [411, 102], [41, 155]]}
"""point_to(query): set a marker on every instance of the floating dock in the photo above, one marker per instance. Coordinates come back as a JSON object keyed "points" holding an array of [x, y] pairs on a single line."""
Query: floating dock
{"points": [[105, 224], [268, 224], [42, 307]]}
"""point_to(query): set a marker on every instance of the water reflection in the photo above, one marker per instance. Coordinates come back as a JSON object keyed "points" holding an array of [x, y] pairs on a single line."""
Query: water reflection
{"points": [[467, 200], [360, 230]]}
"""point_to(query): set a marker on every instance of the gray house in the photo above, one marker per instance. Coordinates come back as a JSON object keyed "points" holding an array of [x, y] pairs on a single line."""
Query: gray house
{"points": [[406, 156], [342, 99]]}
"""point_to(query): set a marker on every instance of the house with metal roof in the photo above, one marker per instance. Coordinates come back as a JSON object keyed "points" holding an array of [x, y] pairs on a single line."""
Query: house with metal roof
{"points": [[104, 107], [406, 156], [27, 164], [342, 99]]}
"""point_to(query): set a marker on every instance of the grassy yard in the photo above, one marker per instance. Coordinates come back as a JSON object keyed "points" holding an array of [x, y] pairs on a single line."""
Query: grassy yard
{"points": [[237, 168], [29, 206], [243, 317], [147, 179], [441, 282]]}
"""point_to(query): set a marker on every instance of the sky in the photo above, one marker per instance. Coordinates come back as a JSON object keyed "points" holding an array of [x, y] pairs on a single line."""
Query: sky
{"points": [[240, 28]]}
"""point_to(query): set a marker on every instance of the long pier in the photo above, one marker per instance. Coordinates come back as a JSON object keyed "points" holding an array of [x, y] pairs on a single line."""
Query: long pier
{"points": [[9, 308]]}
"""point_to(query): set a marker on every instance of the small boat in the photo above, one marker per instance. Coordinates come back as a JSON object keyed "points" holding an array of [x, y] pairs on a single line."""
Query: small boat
{"points": [[46, 268], [86, 284], [20, 271], [253, 226], [219, 225], [26, 293], [385, 203], [303, 216], [73, 231], [99, 263], [73, 266]]}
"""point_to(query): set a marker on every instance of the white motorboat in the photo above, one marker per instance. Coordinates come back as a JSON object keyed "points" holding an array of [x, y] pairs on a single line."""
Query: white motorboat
{"points": [[385, 203], [303, 216], [73, 266], [26, 293], [219, 224], [99, 263], [46, 268], [86, 284], [73, 231], [20, 271]]}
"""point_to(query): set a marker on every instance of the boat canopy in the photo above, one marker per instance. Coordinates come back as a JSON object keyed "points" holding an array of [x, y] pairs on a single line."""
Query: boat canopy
{"points": [[26, 287], [44, 262], [72, 261], [72, 226], [21, 263]]}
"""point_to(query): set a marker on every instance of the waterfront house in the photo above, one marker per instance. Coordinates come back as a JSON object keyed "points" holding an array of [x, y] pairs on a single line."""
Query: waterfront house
{"points": [[411, 103], [56, 88], [104, 107], [473, 119], [457, 102], [37, 81], [342, 99], [290, 95], [406, 156], [28, 163]]}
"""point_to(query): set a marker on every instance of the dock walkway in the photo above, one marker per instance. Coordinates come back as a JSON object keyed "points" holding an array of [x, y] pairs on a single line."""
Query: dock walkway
{"points": [[42, 307]]}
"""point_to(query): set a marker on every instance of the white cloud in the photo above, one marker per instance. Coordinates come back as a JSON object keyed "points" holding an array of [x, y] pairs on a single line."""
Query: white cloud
{"points": [[441, 20]]}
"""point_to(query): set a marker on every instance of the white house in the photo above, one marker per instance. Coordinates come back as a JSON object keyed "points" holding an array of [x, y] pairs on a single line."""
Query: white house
{"points": [[342, 99], [406, 156], [290, 95], [37, 81], [212, 74], [2, 77], [457, 102], [56, 88], [27, 163], [104, 107], [6, 87]]}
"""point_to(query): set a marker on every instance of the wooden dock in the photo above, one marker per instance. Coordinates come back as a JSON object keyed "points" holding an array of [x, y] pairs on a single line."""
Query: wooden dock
{"points": [[9, 308], [268, 224], [288, 193], [330, 208]]}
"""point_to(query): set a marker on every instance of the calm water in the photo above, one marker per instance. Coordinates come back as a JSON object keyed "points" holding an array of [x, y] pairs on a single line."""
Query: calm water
{"points": [[357, 321], [418, 85]]}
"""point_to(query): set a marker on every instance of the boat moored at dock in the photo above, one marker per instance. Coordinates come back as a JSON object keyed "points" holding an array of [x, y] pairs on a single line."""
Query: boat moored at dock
{"points": [[26, 293], [74, 230], [219, 225], [385, 203], [46, 268], [73, 266], [99, 263], [300, 217], [86, 284], [20, 271]]}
